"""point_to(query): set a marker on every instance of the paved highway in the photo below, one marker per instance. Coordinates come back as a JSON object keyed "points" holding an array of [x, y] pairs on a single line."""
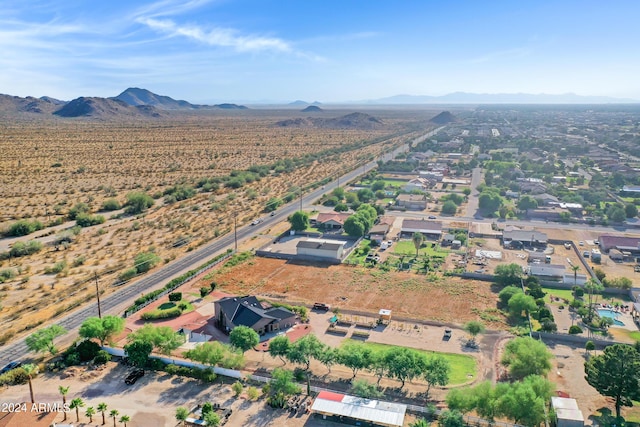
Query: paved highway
{"points": [[116, 302]]}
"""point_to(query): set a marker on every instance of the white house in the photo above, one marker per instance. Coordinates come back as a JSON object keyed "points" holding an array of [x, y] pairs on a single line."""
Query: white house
{"points": [[321, 248]]}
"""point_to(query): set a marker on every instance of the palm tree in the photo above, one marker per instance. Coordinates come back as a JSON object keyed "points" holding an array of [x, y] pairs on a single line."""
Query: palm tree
{"points": [[575, 269], [114, 414], [102, 407], [63, 391], [417, 239], [182, 414], [90, 413], [31, 370], [125, 419], [76, 404]]}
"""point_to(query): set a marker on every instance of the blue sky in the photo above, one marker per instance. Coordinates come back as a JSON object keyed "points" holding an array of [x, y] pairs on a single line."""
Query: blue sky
{"points": [[325, 50]]}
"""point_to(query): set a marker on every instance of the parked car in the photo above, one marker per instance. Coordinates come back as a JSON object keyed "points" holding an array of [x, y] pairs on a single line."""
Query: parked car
{"points": [[431, 217], [273, 213], [134, 376], [581, 243], [10, 366], [321, 306], [256, 221], [447, 335], [567, 245]]}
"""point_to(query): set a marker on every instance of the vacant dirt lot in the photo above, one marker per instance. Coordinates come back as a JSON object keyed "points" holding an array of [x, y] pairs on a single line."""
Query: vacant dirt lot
{"points": [[445, 299]]}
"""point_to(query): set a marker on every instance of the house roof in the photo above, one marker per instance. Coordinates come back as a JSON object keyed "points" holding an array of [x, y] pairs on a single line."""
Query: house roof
{"points": [[27, 418], [248, 311], [324, 245], [549, 270], [525, 236], [429, 227], [411, 198], [608, 242], [374, 411], [379, 229], [338, 217]]}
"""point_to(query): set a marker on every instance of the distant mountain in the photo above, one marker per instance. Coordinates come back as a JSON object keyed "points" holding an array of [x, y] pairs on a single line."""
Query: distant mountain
{"points": [[16, 105], [298, 103], [443, 118], [104, 108], [230, 107], [500, 98], [350, 121], [135, 96], [312, 109], [52, 100]]}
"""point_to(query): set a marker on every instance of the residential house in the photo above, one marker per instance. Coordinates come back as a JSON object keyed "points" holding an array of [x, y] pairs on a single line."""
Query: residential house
{"points": [[414, 202], [429, 229], [379, 232], [434, 175], [523, 238], [331, 220], [28, 417], [621, 243], [420, 184], [547, 272], [248, 311], [545, 199]]}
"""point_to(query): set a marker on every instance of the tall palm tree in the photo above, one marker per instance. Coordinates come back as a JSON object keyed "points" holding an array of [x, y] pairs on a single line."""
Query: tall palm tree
{"points": [[31, 370], [125, 419], [76, 404], [114, 414], [102, 407], [575, 269], [90, 413], [63, 391], [417, 239]]}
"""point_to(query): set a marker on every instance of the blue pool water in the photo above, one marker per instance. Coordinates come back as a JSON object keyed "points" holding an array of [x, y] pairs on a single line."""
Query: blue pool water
{"points": [[605, 312]]}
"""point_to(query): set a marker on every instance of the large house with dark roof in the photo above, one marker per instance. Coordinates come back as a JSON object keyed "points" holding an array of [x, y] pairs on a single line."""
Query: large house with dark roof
{"points": [[248, 311], [621, 243]]}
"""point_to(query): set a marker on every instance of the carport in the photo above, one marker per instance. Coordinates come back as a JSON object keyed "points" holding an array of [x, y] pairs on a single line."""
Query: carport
{"points": [[352, 410]]}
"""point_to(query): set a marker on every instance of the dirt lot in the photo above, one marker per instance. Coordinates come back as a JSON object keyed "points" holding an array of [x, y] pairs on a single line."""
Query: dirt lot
{"points": [[445, 299]]}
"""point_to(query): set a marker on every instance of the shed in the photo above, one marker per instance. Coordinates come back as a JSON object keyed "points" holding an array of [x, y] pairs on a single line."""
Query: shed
{"points": [[567, 412], [321, 248], [385, 315], [358, 409], [616, 255]]}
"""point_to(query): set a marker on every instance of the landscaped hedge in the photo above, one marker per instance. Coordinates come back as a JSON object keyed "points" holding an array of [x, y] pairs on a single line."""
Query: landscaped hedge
{"points": [[161, 314], [174, 283]]}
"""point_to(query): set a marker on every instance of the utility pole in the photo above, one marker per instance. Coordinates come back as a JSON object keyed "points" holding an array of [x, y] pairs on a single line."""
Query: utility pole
{"points": [[301, 200], [235, 231], [95, 276]]}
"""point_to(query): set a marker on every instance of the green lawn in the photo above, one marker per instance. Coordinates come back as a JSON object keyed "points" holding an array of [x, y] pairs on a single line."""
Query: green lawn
{"points": [[557, 293], [463, 368], [406, 247]]}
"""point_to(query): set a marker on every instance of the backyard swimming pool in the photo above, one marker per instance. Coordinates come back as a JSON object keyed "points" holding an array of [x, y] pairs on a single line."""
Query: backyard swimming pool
{"points": [[605, 312]]}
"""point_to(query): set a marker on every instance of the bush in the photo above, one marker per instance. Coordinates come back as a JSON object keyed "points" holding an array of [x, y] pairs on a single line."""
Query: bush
{"points": [[14, 377], [110, 205], [204, 291], [86, 220], [87, 350], [161, 314], [145, 261], [175, 296], [101, 358], [575, 329], [237, 388], [7, 274], [23, 249], [23, 227], [58, 267], [127, 275], [252, 393]]}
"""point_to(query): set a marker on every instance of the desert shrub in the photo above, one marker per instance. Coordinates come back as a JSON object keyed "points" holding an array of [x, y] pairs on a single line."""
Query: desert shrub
{"points": [[58, 267], [183, 305], [87, 350], [252, 393], [79, 208], [175, 296], [138, 202], [101, 358], [23, 249], [145, 261], [237, 388], [110, 205], [23, 227], [14, 377], [72, 359], [86, 220], [575, 329], [7, 274], [127, 275]]}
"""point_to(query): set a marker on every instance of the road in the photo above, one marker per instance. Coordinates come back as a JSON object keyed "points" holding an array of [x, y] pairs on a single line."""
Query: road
{"points": [[472, 202], [116, 303]]}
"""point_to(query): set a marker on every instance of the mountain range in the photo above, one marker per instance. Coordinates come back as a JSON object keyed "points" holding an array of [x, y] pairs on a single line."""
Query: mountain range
{"points": [[498, 98]]}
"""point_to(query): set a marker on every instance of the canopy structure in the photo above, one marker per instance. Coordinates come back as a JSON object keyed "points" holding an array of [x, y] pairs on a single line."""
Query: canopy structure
{"points": [[358, 408]]}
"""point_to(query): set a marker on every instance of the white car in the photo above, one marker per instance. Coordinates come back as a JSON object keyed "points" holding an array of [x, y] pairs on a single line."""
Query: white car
{"points": [[256, 222]]}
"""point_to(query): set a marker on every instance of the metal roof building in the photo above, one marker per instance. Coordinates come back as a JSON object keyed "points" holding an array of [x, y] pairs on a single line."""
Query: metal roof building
{"points": [[358, 408]]}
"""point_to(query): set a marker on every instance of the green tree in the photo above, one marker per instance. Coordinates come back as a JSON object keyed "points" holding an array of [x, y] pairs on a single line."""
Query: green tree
{"points": [[102, 329], [521, 303], [355, 356], [365, 389], [110, 205], [354, 226], [279, 347], [473, 328], [42, 340], [420, 423], [76, 404], [508, 274], [417, 240], [304, 349], [365, 195], [338, 192], [31, 370], [527, 202], [138, 202], [211, 419], [163, 338], [114, 414], [64, 391], [182, 414], [589, 346], [244, 338], [451, 419], [449, 208], [102, 407], [138, 352], [630, 210], [616, 373], [524, 402], [404, 363], [526, 356], [282, 382], [215, 353], [378, 185], [507, 292], [489, 201], [89, 413], [436, 372], [145, 261], [299, 221], [273, 204], [462, 399], [124, 419], [328, 357]]}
